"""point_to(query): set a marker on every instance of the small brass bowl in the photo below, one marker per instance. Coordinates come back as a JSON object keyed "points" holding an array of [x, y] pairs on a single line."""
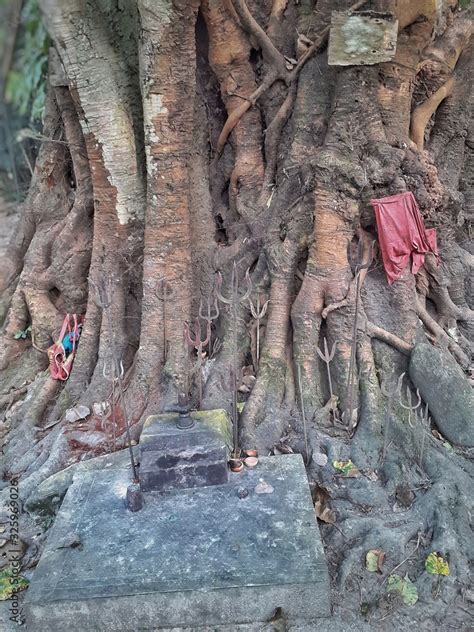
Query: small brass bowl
{"points": [[252, 453], [251, 461], [236, 465]]}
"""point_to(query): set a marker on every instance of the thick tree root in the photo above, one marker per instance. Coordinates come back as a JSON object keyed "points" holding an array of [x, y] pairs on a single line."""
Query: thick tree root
{"points": [[422, 114]]}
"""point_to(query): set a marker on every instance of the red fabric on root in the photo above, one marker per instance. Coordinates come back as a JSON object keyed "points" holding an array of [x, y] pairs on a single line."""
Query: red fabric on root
{"points": [[402, 234]]}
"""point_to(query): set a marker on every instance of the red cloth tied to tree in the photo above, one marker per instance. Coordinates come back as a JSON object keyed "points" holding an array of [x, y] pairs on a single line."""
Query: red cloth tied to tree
{"points": [[402, 234], [60, 361]]}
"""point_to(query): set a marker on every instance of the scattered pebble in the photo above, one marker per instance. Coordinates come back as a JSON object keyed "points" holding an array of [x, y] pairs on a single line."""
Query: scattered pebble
{"points": [[263, 488], [320, 459]]}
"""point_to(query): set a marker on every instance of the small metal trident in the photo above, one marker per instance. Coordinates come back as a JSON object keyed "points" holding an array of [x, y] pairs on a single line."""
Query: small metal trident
{"points": [[234, 298], [111, 377], [234, 301], [164, 292], [258, 312], [359, 267], [209, 317], [104, 302], [327, 357], [390, 395], [424, 425], [193, 338], [229, 387], [410, 406]]}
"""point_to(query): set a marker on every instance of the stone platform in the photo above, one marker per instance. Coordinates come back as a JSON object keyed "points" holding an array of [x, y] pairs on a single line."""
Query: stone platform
{"points": [[206, 556]]}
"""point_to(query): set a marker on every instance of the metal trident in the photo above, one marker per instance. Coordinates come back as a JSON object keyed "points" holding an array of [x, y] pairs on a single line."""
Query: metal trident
{"points": [[193, 338], [258, 312], [209, 317], [424, 417], [104, 302], [111, 376], [234, 298], [164, 292], [327, 357], [234, 301], [410, 406], [229, 386], [360, 266], [390, 395]]}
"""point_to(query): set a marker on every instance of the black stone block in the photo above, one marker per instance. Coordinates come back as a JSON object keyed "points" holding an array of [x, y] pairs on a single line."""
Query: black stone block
{"points": [[196, 457]]}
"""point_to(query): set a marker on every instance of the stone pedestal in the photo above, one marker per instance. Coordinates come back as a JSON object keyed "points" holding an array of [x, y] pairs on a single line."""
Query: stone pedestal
{"points": [[205, 556], [172, 458]]}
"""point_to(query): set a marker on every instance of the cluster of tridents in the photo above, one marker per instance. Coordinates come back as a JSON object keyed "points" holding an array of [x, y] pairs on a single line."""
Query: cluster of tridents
{"points": [[195, 340], [230, 380], [417, 415]]}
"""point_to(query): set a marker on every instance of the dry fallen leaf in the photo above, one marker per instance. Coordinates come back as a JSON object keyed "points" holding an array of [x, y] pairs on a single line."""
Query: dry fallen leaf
{"points": [[321, 499], [371, 475], [77, 413], [281, 448], [374, 560], [324, 513]]}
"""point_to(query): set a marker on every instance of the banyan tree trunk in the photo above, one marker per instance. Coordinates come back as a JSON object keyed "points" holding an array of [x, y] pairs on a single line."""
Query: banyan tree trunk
{"points": [[196, 142]]}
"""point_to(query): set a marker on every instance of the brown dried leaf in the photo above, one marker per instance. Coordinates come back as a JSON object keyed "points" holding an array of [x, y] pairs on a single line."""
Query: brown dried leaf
{"points": [[370, 474], [281, 448], [324, 513], [354, 473]]}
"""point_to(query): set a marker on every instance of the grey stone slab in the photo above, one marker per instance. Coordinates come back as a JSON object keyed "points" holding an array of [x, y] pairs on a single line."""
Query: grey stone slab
{"points": [[192, 557], [48, 496], [194, 457]]}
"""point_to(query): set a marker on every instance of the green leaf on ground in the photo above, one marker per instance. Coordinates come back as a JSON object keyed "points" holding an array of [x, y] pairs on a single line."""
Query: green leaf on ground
{"points": [[374, 560], [22, 333], [240, 407], [11, 583], [346, 467], [436, 564], [404, 588]]}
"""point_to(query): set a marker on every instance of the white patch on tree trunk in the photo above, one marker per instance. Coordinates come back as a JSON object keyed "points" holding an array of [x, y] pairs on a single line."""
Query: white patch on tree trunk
{"points": [[157, 106], [152, 107]]}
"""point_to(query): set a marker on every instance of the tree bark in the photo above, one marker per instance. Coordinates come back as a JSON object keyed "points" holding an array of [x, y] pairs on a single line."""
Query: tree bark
{"points": [[192, 135]]}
